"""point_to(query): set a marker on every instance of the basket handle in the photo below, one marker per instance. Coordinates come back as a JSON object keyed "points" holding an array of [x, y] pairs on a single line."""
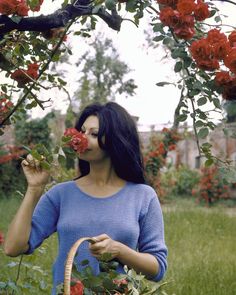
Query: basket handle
{"points": [[69, 262]]}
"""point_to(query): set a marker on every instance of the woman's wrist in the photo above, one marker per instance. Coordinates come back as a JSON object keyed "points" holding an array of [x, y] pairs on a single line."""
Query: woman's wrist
{"points": [[35, 190]]}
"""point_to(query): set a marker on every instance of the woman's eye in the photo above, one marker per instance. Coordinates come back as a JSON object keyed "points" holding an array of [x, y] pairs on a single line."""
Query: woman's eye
{"points": [[94, 134], [82, 131]]}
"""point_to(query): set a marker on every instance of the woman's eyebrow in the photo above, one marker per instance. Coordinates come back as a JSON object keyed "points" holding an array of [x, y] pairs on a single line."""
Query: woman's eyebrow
{"points": [[91, 128]]}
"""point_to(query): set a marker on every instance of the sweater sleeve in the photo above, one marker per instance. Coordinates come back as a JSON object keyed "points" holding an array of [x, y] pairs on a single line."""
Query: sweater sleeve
{"points": [[44, 222], [151, 239]]}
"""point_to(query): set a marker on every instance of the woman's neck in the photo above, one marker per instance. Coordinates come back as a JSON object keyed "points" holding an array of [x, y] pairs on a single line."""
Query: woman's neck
{"points": [[102, 174]]}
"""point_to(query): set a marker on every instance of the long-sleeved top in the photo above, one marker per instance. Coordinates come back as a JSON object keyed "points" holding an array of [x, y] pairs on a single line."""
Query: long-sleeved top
{"points": [[132, 216]]}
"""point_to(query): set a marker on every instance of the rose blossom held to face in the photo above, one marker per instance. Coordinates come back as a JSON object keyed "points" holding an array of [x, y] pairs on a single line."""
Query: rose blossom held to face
{"points": [[78, 140]]}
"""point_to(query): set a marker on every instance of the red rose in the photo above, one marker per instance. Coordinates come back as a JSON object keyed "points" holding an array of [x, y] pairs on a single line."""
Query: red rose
{"points": [[171, 3], [230, 60], [77, 288], [22, 9], [18, 7], [33, 70], [222, 78], [201, 11], [8, 7], [184, 32], [23, 76], [232, 38], [215, 36], [186, 7], [169, 17], [78, 141], [200, 49]]}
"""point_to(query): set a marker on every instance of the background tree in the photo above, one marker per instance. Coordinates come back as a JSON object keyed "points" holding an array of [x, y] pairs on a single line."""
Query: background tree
{"points": [[30, 132], [103, 74]]}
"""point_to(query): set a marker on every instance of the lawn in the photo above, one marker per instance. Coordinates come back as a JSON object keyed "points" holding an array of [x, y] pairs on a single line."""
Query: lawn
{"points": [[201, 243]]}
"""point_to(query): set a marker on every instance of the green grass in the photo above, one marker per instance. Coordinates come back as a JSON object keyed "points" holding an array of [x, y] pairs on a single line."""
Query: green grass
{"points": [[201, 243]]}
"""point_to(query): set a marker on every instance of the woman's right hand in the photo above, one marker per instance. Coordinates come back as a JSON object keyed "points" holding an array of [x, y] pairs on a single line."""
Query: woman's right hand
{"points": [[36, 176]]}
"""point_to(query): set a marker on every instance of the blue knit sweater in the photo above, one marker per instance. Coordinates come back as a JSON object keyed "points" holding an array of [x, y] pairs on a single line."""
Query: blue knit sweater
{"points": [[131, 216]]}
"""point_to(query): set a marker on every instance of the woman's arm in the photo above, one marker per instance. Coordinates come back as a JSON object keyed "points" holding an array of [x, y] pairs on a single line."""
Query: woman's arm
{"points": [[145, 263], [16, 241]]}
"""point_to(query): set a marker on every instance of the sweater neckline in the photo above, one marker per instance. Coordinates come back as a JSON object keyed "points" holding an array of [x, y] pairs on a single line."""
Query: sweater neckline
{"points": [[102, 197]]}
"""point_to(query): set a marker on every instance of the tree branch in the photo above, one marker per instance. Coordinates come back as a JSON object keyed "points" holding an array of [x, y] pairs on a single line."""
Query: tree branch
{"points": [[59, 18]]}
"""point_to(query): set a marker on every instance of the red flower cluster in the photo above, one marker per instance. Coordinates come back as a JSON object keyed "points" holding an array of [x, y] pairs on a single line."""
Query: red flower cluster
{"points": [[228, 84], [5, 106], [180, 15], [213, 51], [11, 153], [78, 141], [209, 51], [211, 186], [24, 76], [1, 238], [77, 288], [18, 7]]}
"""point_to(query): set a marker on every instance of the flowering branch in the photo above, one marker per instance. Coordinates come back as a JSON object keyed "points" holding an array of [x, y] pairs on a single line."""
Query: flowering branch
{"points": [[59, 18], [21, 101]]}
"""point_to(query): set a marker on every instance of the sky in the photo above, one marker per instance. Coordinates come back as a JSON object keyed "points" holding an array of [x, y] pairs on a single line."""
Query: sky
{"points": [[152, 104]]}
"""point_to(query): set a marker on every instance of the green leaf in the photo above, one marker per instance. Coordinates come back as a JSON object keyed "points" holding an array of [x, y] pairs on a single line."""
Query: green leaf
{"points": [[131, 5], [199, 123], [202, 101], [158, 38], [187, 62], [178, 66], [193, 92], [36, 155], [217, 19], [203, 132], [209, 162], [158, 28], [161, 84], [45, 165], [197, 85], [167, 41], [16, 19], [182, 118], [110, 4], [216, 103]]}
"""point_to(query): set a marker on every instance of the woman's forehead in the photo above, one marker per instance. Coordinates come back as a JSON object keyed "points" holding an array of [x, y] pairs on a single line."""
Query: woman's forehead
{"points": [[91, 122]]}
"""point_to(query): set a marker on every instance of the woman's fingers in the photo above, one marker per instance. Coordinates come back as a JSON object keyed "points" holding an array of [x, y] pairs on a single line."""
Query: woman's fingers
{"points": [[24, 163]]}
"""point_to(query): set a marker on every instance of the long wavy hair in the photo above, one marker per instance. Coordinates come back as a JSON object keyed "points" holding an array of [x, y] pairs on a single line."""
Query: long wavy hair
{"points": [[121, 140]]}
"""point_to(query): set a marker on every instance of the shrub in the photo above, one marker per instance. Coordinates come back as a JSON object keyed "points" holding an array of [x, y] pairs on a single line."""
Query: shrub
{"points": [[179, 181], [211, 187]]}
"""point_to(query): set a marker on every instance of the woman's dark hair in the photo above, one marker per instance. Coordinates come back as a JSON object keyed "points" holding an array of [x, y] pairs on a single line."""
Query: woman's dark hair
{"points": [[121, 140]]}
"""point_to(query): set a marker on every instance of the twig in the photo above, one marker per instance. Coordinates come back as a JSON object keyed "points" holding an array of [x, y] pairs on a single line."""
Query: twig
{"points": [[18, 272], [40, 74]]}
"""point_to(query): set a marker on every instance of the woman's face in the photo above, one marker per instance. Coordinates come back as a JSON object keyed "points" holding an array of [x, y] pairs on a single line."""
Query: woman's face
{"points": [[90, 129]]}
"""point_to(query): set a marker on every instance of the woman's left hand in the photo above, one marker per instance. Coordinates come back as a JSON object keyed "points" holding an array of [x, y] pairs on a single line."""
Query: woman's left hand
{"points": [[103, 245]]}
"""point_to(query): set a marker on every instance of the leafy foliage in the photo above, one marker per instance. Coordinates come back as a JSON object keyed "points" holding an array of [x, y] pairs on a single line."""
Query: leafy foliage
{"points": [[110, 282]]}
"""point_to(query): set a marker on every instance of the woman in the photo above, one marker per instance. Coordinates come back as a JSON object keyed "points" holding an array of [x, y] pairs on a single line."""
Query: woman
{"points": [[108, 201]]}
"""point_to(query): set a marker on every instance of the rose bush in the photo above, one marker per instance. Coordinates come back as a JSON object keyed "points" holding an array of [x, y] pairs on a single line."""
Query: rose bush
{"points": [[109, 281]]}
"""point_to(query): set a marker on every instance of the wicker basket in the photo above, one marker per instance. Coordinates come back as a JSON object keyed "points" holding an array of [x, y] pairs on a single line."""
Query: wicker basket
{"points": [[69, 262]]}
